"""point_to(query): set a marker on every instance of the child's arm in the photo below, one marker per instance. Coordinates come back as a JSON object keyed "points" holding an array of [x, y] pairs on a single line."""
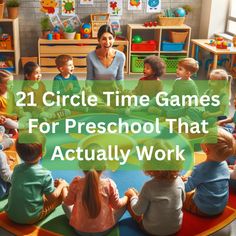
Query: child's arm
{"points": [[233, 172], [225, 121], [5, 171], [139, 204], [60, 184]]}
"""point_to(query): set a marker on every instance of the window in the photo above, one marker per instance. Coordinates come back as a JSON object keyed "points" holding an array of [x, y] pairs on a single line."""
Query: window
{"points": [[231, 20]]}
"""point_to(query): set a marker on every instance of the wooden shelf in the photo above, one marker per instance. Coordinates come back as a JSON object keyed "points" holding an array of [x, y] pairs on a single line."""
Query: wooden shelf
{"points": [[2, 50], [11, 26], [48, 50], [158, 34]]}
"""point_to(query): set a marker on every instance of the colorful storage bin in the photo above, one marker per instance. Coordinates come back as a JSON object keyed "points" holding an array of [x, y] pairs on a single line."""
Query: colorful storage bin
{"points": [[168, 46], [171, 62], [137, 63], [144, 46]]}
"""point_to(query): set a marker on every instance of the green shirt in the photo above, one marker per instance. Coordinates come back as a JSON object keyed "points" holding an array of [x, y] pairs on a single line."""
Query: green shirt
{"points": [[29, 183]]}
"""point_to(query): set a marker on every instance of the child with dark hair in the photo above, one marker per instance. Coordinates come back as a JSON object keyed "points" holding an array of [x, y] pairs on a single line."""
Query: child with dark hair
{"points": [[150, 84], [65, 81], [32, 194], [93, 205]]}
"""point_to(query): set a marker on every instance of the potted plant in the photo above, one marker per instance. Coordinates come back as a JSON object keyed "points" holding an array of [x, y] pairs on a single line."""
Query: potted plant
{"points": [[69, 32], [12, 8], [45, 26], [2, 4]]}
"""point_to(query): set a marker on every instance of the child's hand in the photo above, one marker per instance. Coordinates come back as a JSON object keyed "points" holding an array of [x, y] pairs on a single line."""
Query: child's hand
{"points": [[69, 87], [130, 193], [184, 178], [2, 120], [58, 182], [221, 123], [231, 167]]}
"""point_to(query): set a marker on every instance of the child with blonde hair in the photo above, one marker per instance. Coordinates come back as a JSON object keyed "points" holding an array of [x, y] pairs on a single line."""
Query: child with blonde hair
{"points": [[65, 81], [210, 179], [93, 205], [33, 193], [158, 207]]}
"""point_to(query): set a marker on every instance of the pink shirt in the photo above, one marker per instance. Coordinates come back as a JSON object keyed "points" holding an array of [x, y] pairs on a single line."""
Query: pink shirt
{"points": [[110, 200]]}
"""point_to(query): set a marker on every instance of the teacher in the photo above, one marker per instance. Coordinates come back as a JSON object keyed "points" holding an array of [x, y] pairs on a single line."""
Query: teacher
{"points": [[105, 63]]}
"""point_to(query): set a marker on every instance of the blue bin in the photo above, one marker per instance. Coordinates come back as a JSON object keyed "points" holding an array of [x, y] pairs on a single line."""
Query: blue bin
{"points": [[168, 46]]}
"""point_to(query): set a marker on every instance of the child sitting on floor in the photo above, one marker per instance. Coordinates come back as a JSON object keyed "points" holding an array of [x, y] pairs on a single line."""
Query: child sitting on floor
{"points": [[32, 195], [210, 179], [93, 205], [218, 82], [150, 84], [65, 81], [158, 207], [183, 85], [5, 175], [230, 120]]}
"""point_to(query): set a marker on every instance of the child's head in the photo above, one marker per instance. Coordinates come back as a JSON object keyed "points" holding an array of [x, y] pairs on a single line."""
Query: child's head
{"points": [[187, 67], [165, 169], [91, 198], [218, 74], [223, 147], [5, 76], [154, 66], [32, 71], [30, 147], [65, 64]]}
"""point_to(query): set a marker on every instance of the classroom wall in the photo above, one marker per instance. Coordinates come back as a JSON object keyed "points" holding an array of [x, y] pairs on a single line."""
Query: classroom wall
{"points": [[30, 15], [213, 17]]}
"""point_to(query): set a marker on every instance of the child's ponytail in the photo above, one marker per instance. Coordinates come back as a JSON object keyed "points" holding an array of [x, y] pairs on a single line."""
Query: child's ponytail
{"points": [[91, 199]]}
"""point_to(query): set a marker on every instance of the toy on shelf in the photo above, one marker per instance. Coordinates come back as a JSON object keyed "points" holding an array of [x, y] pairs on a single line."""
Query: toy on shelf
{"points": [[6, 42], [180, 12], [85, 31], [137, 39], [6, 63], [150, 23], [97, 20]]}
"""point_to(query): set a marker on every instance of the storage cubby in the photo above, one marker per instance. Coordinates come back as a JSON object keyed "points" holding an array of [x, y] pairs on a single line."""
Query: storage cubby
{"points": [[48, 50], [9, 45], [168, 45]]}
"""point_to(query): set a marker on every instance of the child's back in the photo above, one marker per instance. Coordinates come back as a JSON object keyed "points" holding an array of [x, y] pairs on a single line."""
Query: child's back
{"points": [[25, 200], [80, 218], [160, 202]]}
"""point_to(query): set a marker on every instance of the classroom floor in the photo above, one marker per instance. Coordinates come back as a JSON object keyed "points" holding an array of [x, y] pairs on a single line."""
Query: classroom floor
{"points": [[126, 180]]}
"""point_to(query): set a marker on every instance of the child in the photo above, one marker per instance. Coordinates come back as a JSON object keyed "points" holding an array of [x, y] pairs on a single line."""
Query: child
{"points": [[230, 120], [65, 82], [183, 85], [210, 179], [217, 86], [6, 119], [5, 175], [32, 194], [150, 84], [93, 204], [158, 207]]}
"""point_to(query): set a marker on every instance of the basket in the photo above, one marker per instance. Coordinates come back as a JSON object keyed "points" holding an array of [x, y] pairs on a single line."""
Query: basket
{"points": [[137, 63], [171, 62], [97, 20], [144, 46], [168, 46], [178, 37], [170, 21]]}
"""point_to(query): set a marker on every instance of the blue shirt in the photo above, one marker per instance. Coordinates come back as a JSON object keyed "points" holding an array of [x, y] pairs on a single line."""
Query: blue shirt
{"points": [[97, 71], [60, 84], [211, 182]]}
